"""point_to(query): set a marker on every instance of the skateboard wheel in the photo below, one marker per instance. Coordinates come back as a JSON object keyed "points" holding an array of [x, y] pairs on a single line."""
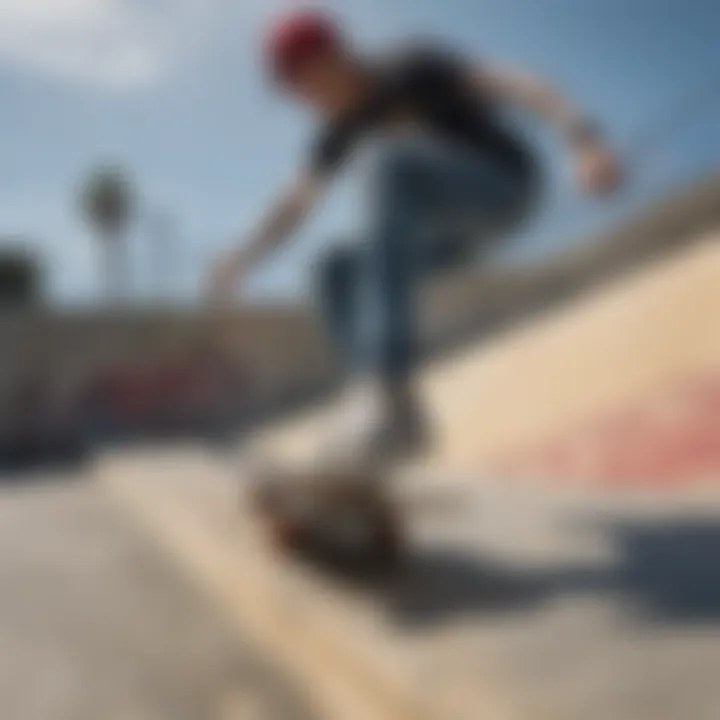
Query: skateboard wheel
{"points": [[387, 542], [286, 535]]}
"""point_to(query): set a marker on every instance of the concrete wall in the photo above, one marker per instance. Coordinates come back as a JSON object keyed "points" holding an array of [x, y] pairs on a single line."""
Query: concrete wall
{"points": [[483, 300], [55, 355]]}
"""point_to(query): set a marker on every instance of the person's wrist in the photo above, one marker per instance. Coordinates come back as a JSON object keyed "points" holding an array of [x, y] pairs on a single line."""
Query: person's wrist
{"points": [[583, 134]]}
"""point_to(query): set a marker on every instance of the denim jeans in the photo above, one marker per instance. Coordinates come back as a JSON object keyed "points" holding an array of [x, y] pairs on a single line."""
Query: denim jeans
{"points": [[431, 206]]}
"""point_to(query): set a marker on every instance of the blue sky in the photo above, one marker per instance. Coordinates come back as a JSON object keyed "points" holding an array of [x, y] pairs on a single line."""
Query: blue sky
{"points": [[172, 90]]}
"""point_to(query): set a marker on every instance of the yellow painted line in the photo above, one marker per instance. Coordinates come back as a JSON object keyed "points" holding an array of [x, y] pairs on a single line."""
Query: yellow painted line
{"points": [[341, 686]]}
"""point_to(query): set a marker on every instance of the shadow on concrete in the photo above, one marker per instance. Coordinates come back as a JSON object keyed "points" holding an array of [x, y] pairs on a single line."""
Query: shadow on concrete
{"points": [[24, 464], [668, 573]]}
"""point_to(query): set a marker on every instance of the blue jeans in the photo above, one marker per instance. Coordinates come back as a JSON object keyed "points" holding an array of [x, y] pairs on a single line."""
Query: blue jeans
{"points": [[432, 205]]}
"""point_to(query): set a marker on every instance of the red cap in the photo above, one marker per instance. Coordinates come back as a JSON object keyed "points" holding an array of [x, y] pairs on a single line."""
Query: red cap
{"points": [[297, 37]]}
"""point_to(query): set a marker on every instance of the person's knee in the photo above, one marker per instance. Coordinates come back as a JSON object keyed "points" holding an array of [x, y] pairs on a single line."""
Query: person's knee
{"points": [[337, 287], [399, 169], [400, 160], [338, 270], [337, 282]]}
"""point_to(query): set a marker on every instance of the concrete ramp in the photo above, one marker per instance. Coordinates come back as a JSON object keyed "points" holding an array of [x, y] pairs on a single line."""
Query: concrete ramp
{"points": [[625, 344], [519, 601]]}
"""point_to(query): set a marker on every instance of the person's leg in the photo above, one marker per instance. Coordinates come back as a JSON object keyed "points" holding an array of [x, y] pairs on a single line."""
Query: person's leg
{"points": [[338, 279], [429, 204], [388, 294], [342, 277]]}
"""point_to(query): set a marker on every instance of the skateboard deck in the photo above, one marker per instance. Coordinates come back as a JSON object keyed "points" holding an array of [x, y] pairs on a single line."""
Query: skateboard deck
{"points": [[340, 514]]}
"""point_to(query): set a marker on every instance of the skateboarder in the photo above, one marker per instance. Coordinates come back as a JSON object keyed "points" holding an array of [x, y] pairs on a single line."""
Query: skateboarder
{"points": [[445, 175]]}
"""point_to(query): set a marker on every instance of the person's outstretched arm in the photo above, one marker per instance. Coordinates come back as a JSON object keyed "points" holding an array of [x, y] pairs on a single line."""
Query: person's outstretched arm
{"points": [[281, 220], [597, 168]]}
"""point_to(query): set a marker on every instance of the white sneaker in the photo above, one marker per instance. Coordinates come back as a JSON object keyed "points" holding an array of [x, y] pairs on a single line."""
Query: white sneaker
{"points": [[369, 430]]}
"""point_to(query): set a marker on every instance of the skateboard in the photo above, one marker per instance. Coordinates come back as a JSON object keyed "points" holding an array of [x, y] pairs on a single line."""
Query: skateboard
{"points": [[338, 514]]}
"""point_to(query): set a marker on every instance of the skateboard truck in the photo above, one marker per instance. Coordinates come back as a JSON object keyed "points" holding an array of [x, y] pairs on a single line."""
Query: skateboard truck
{"points": [[339, 513]]}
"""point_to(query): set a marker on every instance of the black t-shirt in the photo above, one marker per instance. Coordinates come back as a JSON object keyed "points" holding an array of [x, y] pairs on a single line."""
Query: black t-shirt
{"points": [[429, 87]]}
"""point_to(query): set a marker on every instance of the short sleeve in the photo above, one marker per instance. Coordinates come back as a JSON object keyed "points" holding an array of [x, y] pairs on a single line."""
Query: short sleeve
{"points": [[422, 79], [427, 72]]}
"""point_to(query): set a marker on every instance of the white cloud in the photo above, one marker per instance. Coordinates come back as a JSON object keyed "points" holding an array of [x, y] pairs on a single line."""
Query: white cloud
{"points": [[108, 43], [120, 44]]}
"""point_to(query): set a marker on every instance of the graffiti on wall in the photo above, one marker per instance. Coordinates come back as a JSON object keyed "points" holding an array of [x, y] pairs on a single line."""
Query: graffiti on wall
{"points": [[670, 439]]}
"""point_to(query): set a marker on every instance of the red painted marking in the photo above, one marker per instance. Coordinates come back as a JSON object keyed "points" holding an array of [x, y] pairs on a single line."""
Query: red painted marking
{"points": [[671, 439]]}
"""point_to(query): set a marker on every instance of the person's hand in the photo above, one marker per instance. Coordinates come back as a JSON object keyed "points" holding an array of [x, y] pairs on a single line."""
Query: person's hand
{"points": [[225, 274], [597, 169]]}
